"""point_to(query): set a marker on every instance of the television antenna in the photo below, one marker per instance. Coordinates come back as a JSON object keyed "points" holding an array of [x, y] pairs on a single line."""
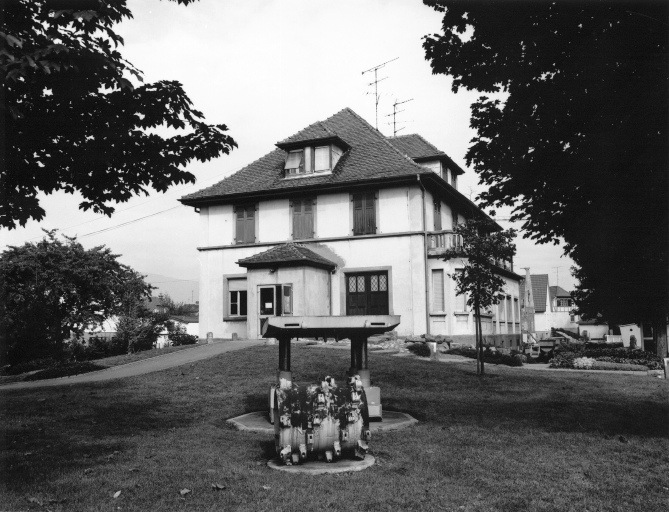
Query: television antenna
{"points": [[394, 114], [375, 83]]}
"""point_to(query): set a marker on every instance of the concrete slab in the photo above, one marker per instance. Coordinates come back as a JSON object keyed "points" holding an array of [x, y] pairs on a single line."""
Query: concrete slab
{"points": [[259, 422], [321, 468]]}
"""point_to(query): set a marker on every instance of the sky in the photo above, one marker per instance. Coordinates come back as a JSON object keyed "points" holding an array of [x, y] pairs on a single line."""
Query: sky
{"points": [[266, 69]]}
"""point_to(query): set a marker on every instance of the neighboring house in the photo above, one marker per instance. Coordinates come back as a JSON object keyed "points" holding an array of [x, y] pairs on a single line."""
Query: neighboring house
{"points": [[593, 329], [156, 305], [552, 306], [340, 220]]}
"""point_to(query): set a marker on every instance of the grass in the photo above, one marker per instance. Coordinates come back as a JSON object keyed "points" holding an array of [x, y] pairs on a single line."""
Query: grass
{"points": [[514, 440], [75, 368]]}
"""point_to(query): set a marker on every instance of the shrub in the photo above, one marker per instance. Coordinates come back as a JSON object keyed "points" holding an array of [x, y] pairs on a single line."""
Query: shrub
{"points": [[420, 349], [136, 334], [605, 365], [562, 360], [516, 360], [632, 342], [583, 363], [178, 335]]}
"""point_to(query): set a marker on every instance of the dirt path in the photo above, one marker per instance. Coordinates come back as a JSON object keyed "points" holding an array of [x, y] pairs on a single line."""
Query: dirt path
{"points": [[153, 364]]}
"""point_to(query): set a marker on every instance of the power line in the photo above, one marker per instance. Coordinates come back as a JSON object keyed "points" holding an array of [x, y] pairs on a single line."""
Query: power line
{"points": [[129, 222]]}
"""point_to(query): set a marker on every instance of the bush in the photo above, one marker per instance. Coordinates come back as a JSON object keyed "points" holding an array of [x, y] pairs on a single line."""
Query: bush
{"points": [[29, 366], [583, 363], [420, 349], [178, 336], [604, 365], [490, 356], [562, 360]]}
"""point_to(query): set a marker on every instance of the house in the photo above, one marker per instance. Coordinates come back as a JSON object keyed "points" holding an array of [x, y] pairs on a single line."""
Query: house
{"points": [[340, 220], [553, 306]]}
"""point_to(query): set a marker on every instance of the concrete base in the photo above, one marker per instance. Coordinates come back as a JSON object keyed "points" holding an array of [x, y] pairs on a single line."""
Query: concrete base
{"points": [[259, 422], [321, 468]]}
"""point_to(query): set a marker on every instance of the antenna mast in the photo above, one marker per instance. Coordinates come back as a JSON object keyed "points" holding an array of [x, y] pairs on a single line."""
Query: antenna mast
{"points": [[375, 83], [394, 114]]}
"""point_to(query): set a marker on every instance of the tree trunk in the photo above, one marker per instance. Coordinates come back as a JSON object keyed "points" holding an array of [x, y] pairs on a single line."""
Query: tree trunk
{"points": [[479, 359], [480, 330], [660, 337]]}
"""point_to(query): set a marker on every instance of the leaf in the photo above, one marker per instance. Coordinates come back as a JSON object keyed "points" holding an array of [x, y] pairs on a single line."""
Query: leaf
{"points": [[266, 487], [218, 487], [34, 500], [185, 491], [117, 494]]}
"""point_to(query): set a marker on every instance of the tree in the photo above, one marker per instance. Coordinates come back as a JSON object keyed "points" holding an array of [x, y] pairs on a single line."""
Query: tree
{"points": [[575, 139], [483, 246], [76, 116], [53, 289]]}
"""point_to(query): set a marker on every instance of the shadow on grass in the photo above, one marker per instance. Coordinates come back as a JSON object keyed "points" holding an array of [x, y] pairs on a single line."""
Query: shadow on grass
{"points": [[91, 433]]}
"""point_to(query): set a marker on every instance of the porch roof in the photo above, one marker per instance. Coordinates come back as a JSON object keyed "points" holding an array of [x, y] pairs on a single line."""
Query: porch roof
{"points": [[287, 255]]}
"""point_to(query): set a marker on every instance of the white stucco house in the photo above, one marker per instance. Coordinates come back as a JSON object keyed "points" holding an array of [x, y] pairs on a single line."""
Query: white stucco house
{"points": [[340, 220]]}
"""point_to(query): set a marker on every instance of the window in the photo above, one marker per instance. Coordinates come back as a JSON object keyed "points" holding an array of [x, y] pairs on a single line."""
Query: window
{"points": [[509, 317], [461, 302], [501, 310], [237, 297], [437, 215], [237, 303], [303, 218], [276, 300], [322, 159], [364, 213], [245, 224], [454, 214], [295, 162], [454, 180], [438, 299]]}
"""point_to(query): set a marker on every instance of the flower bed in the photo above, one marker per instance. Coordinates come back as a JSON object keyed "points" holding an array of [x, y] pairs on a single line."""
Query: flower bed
{"points": [[590, 357]]}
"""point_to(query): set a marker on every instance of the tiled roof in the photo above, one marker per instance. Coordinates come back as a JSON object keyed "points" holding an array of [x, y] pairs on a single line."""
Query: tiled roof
{"points": [[558, 291], [415, 146], [315, 131], [539, 285], [289, 254], [371, 156]]}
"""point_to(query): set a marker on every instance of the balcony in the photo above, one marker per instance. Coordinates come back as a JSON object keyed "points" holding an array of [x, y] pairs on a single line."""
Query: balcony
{"points": [[441, 241]]}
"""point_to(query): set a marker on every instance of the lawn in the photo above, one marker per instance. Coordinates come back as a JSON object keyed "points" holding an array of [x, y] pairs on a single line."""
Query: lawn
{"points": [[514, 440], [76, 368]]}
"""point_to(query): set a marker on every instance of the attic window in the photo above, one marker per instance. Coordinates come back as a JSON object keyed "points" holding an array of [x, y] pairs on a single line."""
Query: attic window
{"points": [[295, 162], [322, 158]]}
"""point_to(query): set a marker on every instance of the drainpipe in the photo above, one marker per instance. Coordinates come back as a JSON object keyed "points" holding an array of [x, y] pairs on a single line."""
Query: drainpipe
{"points": [[427, 277]]}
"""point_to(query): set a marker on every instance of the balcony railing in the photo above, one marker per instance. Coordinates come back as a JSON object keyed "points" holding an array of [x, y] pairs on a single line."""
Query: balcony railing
{"points": [[441, 241]]}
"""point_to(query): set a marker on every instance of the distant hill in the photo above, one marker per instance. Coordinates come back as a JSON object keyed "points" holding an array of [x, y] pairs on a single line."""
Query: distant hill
{"points": [[180, 290]]}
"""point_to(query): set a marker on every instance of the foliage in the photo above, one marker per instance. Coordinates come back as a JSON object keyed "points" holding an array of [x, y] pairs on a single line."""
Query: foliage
{"points": [[574, 135], [134, 334], [583, 363], [605, 365], [493, 357], [54, 289], [78, 117], [568, 356], [178, 308], [178, 336], [420, 349], [484, 246]]}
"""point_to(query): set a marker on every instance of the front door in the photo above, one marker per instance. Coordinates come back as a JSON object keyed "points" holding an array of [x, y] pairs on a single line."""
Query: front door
{"points": [[367, 293]]}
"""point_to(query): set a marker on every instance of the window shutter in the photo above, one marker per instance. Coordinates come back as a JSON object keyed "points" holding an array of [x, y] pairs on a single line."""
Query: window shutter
{"points": [[370, 213], [308, 218], [240, 224], [358, 215], [437, 216]]}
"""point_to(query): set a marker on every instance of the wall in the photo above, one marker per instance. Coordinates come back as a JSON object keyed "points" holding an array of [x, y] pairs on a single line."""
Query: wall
{"points": [[399, 211]]}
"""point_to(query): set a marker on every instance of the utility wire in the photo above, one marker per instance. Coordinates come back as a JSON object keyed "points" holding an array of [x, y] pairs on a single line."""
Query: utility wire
{"points": [[129, 222]]}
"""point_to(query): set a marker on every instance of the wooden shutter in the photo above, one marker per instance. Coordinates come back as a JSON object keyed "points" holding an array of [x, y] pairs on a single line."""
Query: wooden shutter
{"points": [[240, 219], [437, 216], [370, 213], [245, 224], [358, 215], [303, 218]]}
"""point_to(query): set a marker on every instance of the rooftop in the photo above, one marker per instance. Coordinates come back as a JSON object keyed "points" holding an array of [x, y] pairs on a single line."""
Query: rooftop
{"points": [[287, 255]]}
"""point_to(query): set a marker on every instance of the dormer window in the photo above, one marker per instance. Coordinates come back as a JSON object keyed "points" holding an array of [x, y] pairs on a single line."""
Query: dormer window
{"points": [[295, 163], [322, 159]]}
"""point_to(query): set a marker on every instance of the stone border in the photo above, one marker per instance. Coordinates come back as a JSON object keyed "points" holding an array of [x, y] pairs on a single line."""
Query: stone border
{"points": [[322, 468]]}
